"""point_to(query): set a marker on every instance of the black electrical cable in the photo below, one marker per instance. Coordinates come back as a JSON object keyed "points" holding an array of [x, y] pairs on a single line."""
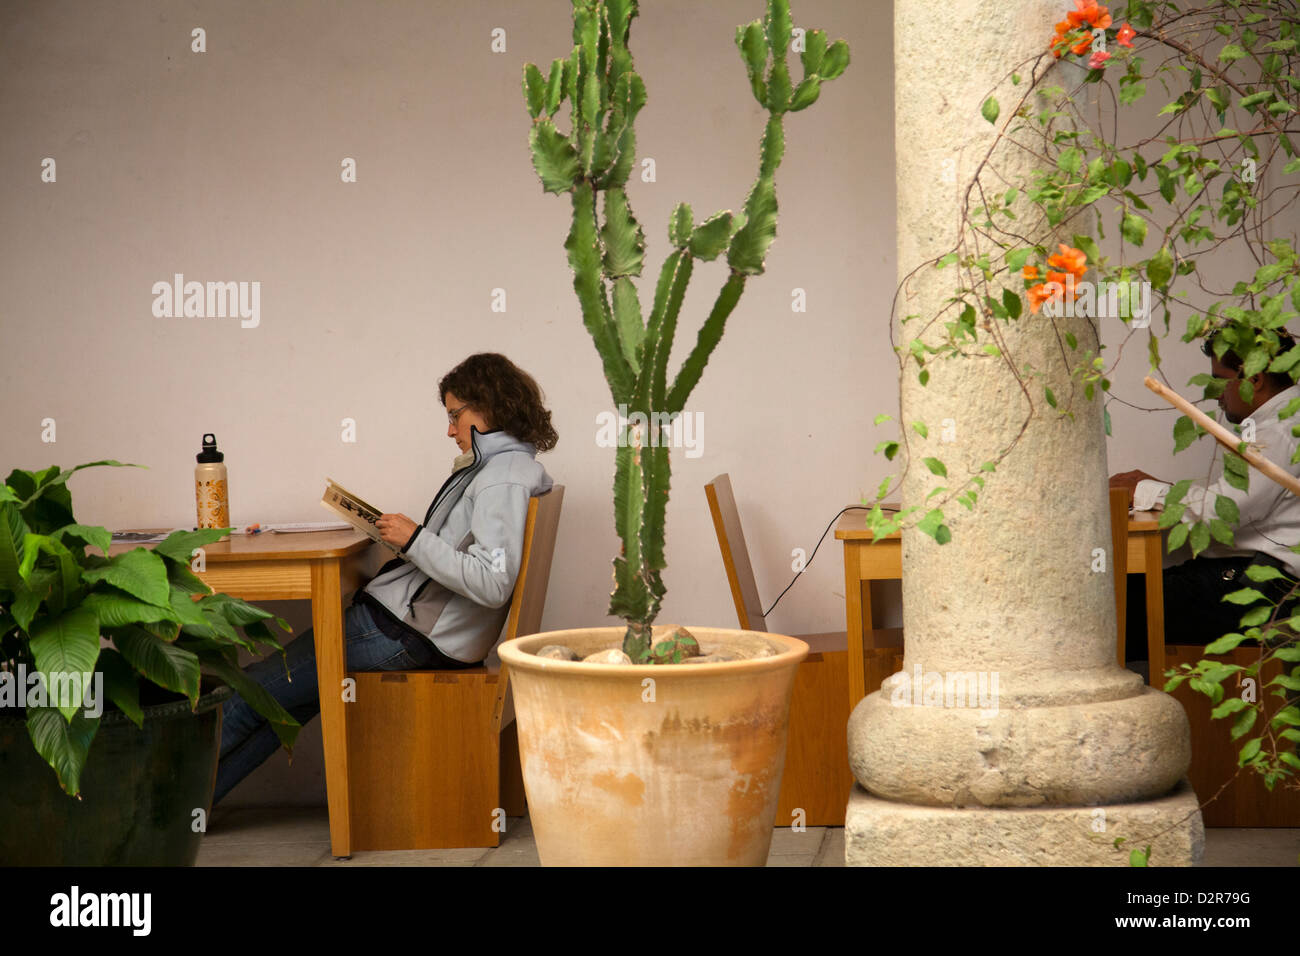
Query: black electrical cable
{"points": [[799, 574]]}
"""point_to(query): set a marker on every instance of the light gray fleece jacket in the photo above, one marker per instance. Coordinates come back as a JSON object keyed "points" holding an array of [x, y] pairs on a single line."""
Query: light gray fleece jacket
{"points": [[453, 581]]}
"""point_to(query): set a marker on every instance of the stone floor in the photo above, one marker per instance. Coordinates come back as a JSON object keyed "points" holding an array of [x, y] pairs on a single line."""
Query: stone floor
{"points": [[299, 836]]}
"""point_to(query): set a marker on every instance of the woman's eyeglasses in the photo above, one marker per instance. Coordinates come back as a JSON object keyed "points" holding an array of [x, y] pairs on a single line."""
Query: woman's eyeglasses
{"points": [[454, 413]]}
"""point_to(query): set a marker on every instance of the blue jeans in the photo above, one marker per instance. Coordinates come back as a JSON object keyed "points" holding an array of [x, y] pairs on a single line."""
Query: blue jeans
{"points": [[246, 736]]}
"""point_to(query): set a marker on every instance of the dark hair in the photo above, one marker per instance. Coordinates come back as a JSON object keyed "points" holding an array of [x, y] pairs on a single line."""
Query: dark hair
{"points": [[1277, 380], [505, 395]]}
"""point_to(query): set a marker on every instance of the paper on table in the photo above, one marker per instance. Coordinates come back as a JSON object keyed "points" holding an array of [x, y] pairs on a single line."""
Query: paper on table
{"points": [[295, 527]]}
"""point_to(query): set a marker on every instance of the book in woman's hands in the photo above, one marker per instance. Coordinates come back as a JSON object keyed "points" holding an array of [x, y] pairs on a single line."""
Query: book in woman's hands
{"points": [[358, 513]]}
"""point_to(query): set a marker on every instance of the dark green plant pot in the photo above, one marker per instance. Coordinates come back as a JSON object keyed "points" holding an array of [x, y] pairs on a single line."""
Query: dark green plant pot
{"points": [[139, 791]]}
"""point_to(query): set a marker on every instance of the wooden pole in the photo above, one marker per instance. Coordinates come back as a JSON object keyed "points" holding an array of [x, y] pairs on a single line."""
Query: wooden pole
{"points": [[1224, 437]]}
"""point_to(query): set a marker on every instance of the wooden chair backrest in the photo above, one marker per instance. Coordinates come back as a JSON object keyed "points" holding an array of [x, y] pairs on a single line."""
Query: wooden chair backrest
{"points": [[1119, 563], [735, 554], [530, 586], [535, 569]]}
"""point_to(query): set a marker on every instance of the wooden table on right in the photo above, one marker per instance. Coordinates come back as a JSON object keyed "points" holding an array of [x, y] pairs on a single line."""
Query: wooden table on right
{"points": [[865, 562]]}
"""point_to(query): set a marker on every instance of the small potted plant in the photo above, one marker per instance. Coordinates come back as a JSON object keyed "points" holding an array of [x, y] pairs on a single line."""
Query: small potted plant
{"points": [[669, 748], [108, 754]]}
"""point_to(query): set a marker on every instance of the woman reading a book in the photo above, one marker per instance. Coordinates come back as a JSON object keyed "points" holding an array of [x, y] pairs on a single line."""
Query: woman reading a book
{"points": [[442, 602]]}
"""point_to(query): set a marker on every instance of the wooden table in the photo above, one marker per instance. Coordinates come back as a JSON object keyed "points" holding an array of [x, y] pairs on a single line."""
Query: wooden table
{"points": [[865, 562], [321, 567]]}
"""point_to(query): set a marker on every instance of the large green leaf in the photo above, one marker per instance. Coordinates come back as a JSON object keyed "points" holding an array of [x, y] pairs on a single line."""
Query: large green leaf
{"points": [[116, 608], [67, 582], [190, 614], [121, 684], [13, 531], [179, 545], [63, 745], [256, 696], [27, 600], [181, 578], [139, 572], [554, 157], [65, 645], [47, 502], [165, 664], [234, 610], [93, 535]]}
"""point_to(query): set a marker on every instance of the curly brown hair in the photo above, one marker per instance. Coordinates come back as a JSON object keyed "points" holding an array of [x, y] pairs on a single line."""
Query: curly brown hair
{"points": [[505, 395]]}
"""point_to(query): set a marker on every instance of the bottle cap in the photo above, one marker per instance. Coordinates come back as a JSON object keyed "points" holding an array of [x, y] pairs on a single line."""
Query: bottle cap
{"points": [[209, 452]]}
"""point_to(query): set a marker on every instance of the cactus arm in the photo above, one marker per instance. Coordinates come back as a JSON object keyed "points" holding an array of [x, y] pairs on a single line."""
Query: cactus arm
{"points": [[668, 329], [627, 318], [631, 598], [583, 246], [673, 277], [657, 474], [710, 334]]}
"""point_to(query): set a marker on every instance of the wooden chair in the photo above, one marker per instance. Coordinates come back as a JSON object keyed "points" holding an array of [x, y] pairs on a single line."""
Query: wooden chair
{"points": [[817, 779], [434, 755]]}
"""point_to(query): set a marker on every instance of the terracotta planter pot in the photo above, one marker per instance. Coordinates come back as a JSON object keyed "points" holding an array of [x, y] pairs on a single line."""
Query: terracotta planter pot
{"points": [[652, 765]]}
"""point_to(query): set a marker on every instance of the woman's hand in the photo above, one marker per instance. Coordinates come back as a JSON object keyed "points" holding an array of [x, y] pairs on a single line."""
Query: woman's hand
{"points": [[396, 529]]}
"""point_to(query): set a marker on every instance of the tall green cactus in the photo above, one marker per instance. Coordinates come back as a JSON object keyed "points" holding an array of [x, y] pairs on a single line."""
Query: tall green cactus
{"points": [[605, 252]]}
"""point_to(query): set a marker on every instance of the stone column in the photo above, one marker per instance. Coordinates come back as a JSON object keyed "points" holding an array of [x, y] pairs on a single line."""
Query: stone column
{"points": [[1076, 751]]}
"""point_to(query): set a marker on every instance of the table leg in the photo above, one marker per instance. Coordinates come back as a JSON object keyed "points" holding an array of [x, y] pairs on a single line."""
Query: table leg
{"points": [[1155, 587], [856, 630], [331, 668]]}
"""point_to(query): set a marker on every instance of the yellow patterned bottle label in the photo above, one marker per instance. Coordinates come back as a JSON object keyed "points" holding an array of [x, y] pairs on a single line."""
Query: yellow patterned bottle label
{"points": [[214, 506]]}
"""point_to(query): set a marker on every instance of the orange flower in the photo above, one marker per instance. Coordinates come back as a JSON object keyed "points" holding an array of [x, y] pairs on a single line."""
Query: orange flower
{"points": [[1088, 12], [1031, 273], [1059, 43], [1037, 295], [1070, 260], [1126, 35], [1098, 60], [1088, 16]]}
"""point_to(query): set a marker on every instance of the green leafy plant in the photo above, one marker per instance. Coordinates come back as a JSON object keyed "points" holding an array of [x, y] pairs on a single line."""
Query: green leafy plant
{"points": [[166, 626], [606, 249]]}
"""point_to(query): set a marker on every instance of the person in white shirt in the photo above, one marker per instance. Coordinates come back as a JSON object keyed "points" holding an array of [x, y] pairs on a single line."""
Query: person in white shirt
{"points": [[1268, 526]]}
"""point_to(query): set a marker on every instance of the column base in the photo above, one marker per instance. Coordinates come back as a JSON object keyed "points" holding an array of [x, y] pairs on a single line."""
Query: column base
{"points": [[883, 833]]}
